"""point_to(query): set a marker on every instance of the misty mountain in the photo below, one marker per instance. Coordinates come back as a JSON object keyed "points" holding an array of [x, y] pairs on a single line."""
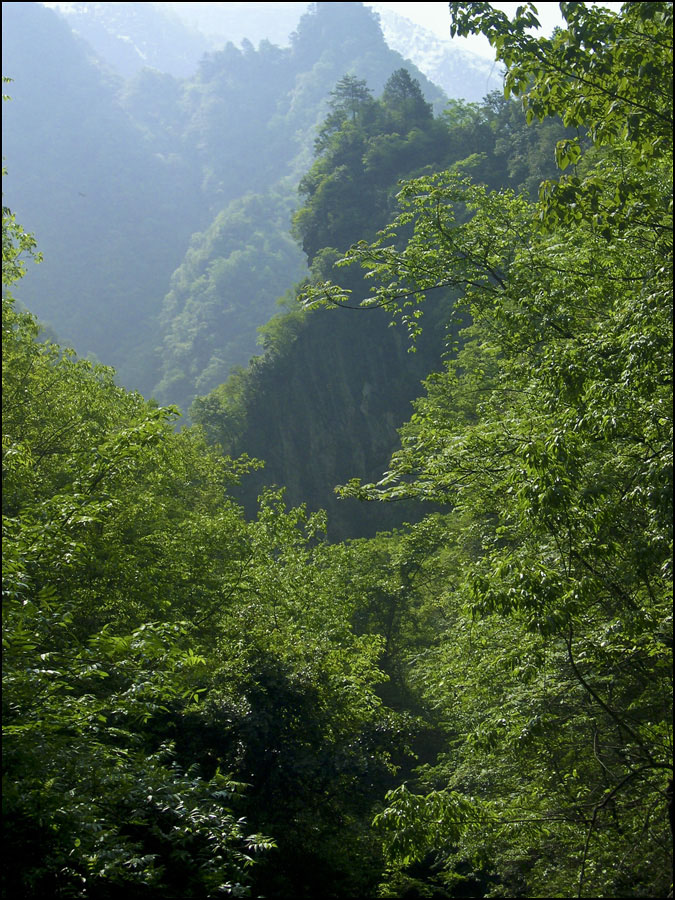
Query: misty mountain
{"points": [[130, 36], [462, 74], [223, 22], [112, 216], [122, 181], [163, 207], [172, 37]]}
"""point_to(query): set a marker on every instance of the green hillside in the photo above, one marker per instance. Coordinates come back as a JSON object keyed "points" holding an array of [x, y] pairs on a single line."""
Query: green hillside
{"points": [[323, 402], [208, 695]]}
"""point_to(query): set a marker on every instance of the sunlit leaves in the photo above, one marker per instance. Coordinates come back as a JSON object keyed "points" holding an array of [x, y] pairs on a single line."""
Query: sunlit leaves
{"points": [[411, 825], [545, 435]]}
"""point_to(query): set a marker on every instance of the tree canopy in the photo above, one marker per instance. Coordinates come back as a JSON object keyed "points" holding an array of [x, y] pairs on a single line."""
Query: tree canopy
{"points": [[198, 703], [549, 433]]}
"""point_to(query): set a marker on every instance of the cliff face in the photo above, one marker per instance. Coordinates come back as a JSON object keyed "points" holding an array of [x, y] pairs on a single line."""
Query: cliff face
{"points": [[327, 409]]}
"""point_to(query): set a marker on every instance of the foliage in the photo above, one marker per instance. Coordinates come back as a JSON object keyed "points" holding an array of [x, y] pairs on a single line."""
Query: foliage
{"points": [[549, 434], [363, 147], [89, 806], [606, 72], [489, 687], [90, 802], [15, 243], [154, 640]]}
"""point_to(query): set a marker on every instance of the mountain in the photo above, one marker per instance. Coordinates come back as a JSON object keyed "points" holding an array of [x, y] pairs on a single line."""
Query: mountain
{"points": [[111, 215], [255, 22], [461, 74], [163, 207], [172, 37], [323, 403], [129, 36], [124, 181]]}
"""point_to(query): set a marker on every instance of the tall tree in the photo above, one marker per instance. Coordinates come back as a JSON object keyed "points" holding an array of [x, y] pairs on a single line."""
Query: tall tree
{"points": [[550, 436], [403, 100], [349, 96]]}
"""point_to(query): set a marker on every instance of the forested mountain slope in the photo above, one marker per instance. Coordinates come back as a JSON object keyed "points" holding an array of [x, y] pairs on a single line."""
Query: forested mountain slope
{"points": [[206, 175], [275, 100], [133, 36], [116, 177], [202, 703], [324, 401], [111, 216], [172, 37]]}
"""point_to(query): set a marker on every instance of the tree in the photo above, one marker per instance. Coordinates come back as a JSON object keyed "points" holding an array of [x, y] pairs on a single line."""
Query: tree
{"points": [[404, 102], [153, 641], [549, 435], [349, 96], [93, 803], [610, 74]]}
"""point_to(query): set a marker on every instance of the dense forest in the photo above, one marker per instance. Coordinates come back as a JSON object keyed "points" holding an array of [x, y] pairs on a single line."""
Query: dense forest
{"points": [[455, 678], [324, 400]]}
